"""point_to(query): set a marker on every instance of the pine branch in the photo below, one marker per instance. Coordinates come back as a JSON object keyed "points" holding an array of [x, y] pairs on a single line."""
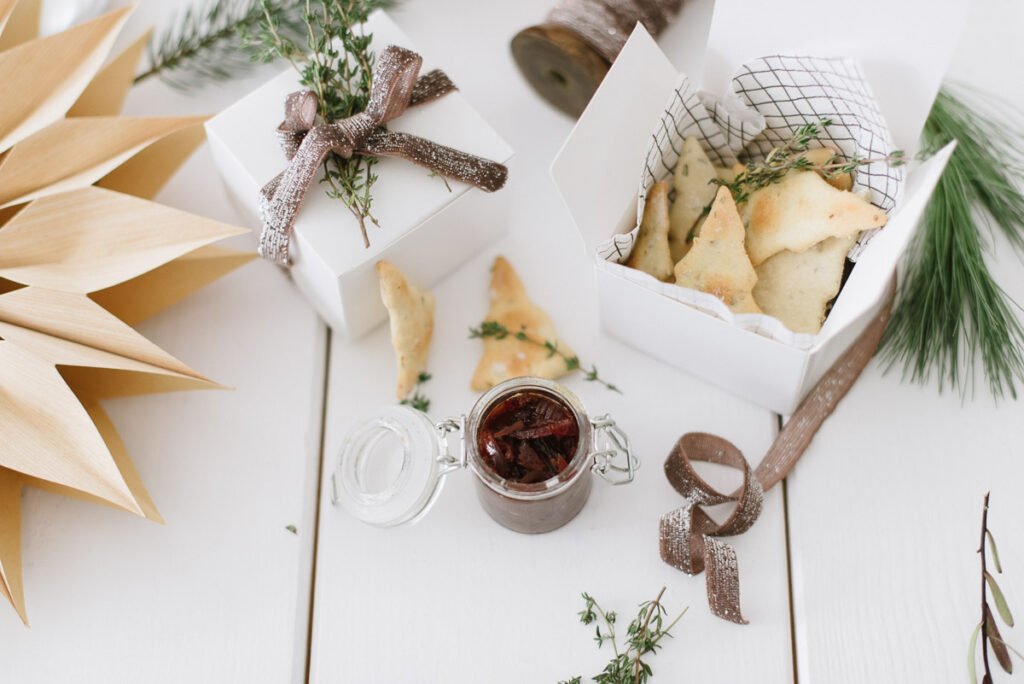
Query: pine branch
{"points": [[212, 41], [950, 310]]}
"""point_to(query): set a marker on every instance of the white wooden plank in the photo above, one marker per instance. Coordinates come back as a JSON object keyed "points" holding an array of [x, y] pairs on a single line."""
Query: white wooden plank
{"points": [[885, 508], [457, 598], [221, 592]]}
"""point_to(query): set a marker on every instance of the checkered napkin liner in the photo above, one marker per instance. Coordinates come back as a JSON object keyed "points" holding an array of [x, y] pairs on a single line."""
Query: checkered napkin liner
{"points": [[773, 97]]}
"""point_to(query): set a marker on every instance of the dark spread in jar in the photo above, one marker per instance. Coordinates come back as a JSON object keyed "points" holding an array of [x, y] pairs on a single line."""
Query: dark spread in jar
{"points": [[528, 437]]}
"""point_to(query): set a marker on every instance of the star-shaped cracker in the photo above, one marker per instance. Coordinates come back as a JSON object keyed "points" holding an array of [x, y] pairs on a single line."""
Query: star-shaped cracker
{"points": [[718, 263], [802, 210], [509, 357]]}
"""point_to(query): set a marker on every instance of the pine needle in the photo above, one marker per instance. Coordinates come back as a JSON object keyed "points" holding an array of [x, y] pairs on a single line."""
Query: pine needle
{"points": [[211, 41], [950, 310]]}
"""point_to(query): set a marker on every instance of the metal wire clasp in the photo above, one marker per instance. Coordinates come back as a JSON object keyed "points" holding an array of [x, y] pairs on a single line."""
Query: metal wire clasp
{"points": [[450, 462], [612, 442]]}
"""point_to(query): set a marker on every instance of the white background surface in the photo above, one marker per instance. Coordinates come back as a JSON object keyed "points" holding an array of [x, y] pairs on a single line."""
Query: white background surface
{"points": [[882, 511]]}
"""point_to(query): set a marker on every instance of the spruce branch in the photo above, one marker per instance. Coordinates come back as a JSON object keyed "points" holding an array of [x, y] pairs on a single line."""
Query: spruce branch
{"points": [[950, 311], [212, 40]]}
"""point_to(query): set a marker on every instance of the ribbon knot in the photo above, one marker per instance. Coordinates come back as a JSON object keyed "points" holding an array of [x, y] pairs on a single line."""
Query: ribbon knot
{"points": [[396, 87]]}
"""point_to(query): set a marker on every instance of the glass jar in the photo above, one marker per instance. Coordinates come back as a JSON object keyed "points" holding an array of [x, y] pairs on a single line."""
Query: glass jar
{"points": [[392, 467]]}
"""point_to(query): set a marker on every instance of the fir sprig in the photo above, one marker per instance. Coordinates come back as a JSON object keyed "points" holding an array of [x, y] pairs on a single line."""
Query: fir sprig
{"points": [[498, 331], [643, 638], [790, 156], [211, 41], [418, 400], [950, 310], [336, 63], [987, 630]]}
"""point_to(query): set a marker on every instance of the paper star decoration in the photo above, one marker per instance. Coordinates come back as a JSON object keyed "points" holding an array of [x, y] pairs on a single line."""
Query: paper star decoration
{"points": [[84, 254]]}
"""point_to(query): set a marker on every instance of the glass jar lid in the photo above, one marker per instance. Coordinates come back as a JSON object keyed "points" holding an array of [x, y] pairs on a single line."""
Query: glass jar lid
{"points": [[392, 466]]}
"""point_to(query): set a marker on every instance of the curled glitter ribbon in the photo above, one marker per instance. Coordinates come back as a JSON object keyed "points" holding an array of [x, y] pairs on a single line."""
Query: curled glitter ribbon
{"points": [[689, 538], [306, 144]]}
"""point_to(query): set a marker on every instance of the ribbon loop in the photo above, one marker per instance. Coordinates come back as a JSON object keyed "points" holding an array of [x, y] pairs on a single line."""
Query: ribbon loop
{"points": [[689, 535], [306, 144], [689, 539]]}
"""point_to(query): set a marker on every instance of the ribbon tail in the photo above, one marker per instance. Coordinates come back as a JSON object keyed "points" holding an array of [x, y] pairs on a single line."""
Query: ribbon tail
{"points": [[281, 198], [431, 86], [446, 161], [723, 580]]}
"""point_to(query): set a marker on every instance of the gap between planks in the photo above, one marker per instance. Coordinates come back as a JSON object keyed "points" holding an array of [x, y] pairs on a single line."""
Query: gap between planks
{"points": [[316, 504]]}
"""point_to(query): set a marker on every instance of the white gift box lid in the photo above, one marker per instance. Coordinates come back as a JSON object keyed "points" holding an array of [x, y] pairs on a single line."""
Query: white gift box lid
{"points": [[599, 181], [326, 239]]}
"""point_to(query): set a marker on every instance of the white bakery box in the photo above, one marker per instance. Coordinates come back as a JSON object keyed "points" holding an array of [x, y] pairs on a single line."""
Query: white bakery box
{"points": [[903, 50], [427, 227]]}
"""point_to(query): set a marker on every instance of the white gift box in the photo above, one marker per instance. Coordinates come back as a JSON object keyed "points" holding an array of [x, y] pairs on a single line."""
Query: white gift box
{"points": [[752, 356], [428, 226]]}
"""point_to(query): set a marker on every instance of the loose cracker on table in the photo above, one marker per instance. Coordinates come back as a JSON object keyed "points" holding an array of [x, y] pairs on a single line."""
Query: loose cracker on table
{"points": [[802, 210], [509, 357], [796, 287], [411, 312], [692, 180], [651, 252], [718, 263]]}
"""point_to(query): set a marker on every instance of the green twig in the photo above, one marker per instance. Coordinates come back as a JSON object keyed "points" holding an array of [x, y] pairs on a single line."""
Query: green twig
{"points": [[498, 331]]}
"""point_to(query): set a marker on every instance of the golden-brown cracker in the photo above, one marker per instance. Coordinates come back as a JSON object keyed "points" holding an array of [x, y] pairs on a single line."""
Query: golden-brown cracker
{"points": [[717, 263], [411, 311], [510, 357], [802, 210]]}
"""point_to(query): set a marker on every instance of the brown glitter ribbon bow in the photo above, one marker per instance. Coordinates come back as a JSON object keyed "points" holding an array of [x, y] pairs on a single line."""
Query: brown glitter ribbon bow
{"points": [[690, 539], [306, 144]]}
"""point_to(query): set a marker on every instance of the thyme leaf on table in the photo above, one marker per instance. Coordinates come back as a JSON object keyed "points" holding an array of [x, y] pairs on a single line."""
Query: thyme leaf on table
{"points": [[628, 664], [418, 400]]}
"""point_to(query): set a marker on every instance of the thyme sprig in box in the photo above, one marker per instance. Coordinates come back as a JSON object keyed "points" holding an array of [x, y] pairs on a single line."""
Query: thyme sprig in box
{"points": [[425, 224]]}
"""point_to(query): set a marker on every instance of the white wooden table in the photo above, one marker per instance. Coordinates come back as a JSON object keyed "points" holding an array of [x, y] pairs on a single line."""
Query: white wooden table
{"points": [[862, 569]]}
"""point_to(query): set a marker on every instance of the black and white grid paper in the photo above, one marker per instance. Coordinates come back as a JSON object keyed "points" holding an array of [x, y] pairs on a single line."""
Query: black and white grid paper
{"points": [[773, 96]]}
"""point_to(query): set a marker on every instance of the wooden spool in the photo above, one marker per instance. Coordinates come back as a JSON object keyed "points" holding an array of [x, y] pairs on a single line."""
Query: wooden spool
{"points": [[560, 65]]}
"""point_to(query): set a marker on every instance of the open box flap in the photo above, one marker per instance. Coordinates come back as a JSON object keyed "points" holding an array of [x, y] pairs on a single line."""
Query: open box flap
{"points": [[596, 169], [904, 47], [869, 280]]}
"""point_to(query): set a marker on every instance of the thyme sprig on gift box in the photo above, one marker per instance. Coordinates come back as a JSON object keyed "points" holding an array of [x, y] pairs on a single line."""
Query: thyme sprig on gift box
{"points": [[498, 331], [987, 630], [643, 639], [336, 63], [790, 157], [950, 309]]}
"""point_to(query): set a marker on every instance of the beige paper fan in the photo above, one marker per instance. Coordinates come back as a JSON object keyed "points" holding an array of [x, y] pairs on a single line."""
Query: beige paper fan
{"points": [[84, 255]]}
